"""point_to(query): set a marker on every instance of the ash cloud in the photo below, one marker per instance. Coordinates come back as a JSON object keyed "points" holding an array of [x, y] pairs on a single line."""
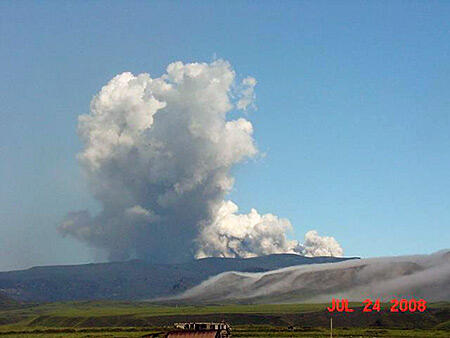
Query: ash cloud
{"points": [[315, 245], [157, 156]]}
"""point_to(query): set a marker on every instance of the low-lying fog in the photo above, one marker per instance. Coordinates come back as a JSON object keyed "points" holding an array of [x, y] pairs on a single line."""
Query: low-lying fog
{"points": [[421, 276]]}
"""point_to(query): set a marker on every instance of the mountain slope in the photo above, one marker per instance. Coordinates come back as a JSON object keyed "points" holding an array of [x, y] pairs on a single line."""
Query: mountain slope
{"points": [[6, 301], [135, 279]]}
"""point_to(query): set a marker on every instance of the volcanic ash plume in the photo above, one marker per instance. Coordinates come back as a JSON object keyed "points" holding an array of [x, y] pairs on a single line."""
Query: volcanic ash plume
{"points": [[316, 245], [157, 156]]}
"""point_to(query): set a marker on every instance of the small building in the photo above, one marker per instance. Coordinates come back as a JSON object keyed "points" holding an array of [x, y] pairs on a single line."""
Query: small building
{"points": [[200, 330]]}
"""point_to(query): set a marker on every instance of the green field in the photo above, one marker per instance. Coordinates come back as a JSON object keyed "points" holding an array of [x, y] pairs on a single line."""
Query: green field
{"points": [[134, 319]]}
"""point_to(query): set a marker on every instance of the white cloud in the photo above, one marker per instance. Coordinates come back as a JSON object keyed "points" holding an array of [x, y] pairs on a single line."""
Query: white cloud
{"points": [[245, 235], [316, 245]]}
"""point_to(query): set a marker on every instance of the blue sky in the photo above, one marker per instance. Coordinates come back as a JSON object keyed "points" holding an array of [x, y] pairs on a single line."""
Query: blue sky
{"points": [[353, 112]]}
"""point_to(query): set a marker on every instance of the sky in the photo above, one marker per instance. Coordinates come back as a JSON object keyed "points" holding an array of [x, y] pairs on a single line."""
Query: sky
{"points": [[352, 114]]}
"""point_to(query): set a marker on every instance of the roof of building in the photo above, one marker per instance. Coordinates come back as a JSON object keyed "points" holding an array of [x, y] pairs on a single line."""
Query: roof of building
{"points": [[196, 334]]}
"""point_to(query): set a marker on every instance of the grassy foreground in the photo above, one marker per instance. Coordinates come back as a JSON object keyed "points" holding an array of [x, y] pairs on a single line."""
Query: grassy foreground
{"points": [[135, 319]]}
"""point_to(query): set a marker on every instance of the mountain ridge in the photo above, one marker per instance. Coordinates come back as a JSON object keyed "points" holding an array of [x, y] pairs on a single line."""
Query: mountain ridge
{"points": [[134, 279]]}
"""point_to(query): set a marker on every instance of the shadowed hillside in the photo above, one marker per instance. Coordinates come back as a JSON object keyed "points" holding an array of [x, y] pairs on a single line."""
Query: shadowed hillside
{"points": [[135, 279], [6, 301]]}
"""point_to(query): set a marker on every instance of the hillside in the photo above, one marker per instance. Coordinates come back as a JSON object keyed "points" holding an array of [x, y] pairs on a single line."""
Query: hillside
{"points": [[6, 301], [136, 279]]}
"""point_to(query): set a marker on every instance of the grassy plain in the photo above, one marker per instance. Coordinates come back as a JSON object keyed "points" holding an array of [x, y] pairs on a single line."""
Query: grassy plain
{"points": [[135, 319]]}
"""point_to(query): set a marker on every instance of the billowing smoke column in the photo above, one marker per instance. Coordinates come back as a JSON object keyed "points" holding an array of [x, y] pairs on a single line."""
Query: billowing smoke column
{"points": [[316, 245], [157, 155]]}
